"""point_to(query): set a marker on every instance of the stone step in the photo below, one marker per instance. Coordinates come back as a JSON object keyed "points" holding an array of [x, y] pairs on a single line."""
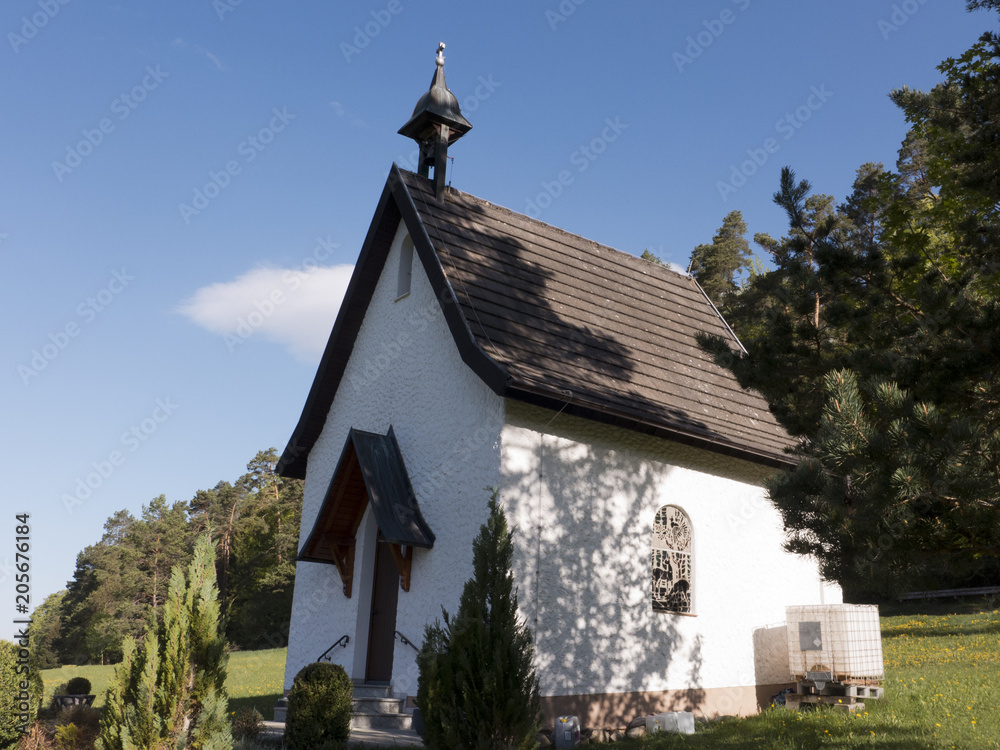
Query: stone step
{"points": [[364, 690], [376, 706], [371, 708], [381, 721], [383, 715], [273, 729]]}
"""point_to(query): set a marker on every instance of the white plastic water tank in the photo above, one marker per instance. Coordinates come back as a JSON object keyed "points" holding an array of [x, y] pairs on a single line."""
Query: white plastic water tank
{"points": [[843, 639]]}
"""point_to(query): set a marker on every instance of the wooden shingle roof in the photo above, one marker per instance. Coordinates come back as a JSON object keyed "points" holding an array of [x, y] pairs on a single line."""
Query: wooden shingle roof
{"points": [[554, 319]]}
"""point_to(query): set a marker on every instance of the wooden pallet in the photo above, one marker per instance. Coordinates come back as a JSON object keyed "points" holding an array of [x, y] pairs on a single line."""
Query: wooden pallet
{"points": [[841, 696], [841, 690], [795, 701]]}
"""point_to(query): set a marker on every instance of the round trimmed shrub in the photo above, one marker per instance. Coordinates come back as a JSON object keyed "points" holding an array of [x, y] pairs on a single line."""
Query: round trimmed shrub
{"points": [[319, 707], [78, 686], [246, 724]]}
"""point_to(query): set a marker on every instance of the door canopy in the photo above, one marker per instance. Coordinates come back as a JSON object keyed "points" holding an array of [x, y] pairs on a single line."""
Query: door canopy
{"points": [[370, 470]]}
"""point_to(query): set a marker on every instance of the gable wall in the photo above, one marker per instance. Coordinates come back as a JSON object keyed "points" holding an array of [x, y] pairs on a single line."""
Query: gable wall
{"points": [[583, 497], [405, 371]]}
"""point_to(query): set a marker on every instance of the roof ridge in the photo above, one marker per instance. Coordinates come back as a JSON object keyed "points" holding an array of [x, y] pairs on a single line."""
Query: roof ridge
{"points": [[629, 257]]}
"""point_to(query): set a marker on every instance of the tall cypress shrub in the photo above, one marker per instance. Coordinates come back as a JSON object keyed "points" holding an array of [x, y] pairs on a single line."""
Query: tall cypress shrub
{"points": [[477, 685], [20, 693], [170, 691]]}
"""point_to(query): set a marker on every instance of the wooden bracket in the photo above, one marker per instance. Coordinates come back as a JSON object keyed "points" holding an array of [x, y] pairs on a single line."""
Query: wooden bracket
{"points": [[402, 561], [343, 558]]}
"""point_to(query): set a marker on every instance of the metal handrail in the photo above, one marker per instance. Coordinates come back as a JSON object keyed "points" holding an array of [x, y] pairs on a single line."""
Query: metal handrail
{"points": [[342, 641], [406, 641]]}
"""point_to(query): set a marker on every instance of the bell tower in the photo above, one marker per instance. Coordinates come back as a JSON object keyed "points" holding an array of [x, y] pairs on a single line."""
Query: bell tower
{"points": [[436, 123]]}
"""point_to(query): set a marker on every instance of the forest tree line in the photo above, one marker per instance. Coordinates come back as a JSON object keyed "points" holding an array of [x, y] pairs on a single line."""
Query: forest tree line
{"points": [[123, 578]]}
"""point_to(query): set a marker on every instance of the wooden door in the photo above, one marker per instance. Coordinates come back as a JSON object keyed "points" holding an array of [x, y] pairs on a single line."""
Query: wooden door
{"points": [[382, 628]]}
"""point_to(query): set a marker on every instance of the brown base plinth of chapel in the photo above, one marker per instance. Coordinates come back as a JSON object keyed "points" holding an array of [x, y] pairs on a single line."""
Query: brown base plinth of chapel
{"points": [[601, 710], [618, 709]]}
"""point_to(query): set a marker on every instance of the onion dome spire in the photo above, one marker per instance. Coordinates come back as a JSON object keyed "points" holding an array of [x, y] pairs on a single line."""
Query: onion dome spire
{"points": [[437, 122]]}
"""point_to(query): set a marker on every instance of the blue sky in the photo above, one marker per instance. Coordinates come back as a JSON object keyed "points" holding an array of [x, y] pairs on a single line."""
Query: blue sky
{"points": [[169, 167]]}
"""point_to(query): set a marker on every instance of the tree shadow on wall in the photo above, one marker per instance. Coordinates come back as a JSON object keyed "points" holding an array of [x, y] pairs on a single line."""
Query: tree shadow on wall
{"points": [[585, 583]]}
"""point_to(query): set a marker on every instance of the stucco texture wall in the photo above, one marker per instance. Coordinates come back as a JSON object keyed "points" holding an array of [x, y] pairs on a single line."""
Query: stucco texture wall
{"points": [[582, 497], [405, 371]]}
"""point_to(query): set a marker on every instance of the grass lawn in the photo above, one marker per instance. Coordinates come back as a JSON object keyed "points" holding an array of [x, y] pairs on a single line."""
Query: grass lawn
{"points": [[942, 691], [99, 678], [255, 679]]}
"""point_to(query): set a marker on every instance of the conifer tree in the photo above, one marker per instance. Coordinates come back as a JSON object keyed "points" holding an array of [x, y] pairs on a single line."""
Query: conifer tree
{"points": [[477, 687], [652, 257], [170, 691], [717, 265], [893, 489], [780, 316]]}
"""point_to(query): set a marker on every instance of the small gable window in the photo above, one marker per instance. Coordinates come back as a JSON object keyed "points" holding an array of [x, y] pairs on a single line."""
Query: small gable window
{"points": [[672, 561], [405, 268]]}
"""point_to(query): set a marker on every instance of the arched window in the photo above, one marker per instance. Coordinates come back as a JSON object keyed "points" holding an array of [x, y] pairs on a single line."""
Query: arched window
{"points": [[672, 561]]}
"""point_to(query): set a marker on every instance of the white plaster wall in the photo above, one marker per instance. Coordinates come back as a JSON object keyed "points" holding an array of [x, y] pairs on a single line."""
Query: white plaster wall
{"points": [[405, 371], [583, 496]]}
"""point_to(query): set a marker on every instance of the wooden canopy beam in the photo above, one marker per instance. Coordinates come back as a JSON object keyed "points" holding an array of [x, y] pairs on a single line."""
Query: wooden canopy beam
{"points": [[402, 560], [343, 558]]}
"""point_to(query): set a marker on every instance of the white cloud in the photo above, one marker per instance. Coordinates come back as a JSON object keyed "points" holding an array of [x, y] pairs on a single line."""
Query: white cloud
{"points": [[341, 112], [675, 267], [215, 61], [294, 308], [180, 43]]}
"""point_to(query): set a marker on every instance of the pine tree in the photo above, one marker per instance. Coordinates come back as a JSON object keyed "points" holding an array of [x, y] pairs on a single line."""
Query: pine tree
{"points": [[717, 265], [160, 540], [101, 603], [652, 257], [885, 493], [779, 316], [170, 691], [46, 626], [477, 686], [264, 548]]}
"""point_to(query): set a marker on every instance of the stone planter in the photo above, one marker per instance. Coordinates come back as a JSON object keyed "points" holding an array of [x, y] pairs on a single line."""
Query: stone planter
{"points": [[72, 701]]}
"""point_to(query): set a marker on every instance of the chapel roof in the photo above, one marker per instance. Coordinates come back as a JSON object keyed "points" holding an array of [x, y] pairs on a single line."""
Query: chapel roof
{"points": [[554, 319]]}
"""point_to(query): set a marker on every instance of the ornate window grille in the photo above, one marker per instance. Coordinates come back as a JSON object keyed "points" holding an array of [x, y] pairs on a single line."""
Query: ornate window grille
{"points": [[671, 561]]}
